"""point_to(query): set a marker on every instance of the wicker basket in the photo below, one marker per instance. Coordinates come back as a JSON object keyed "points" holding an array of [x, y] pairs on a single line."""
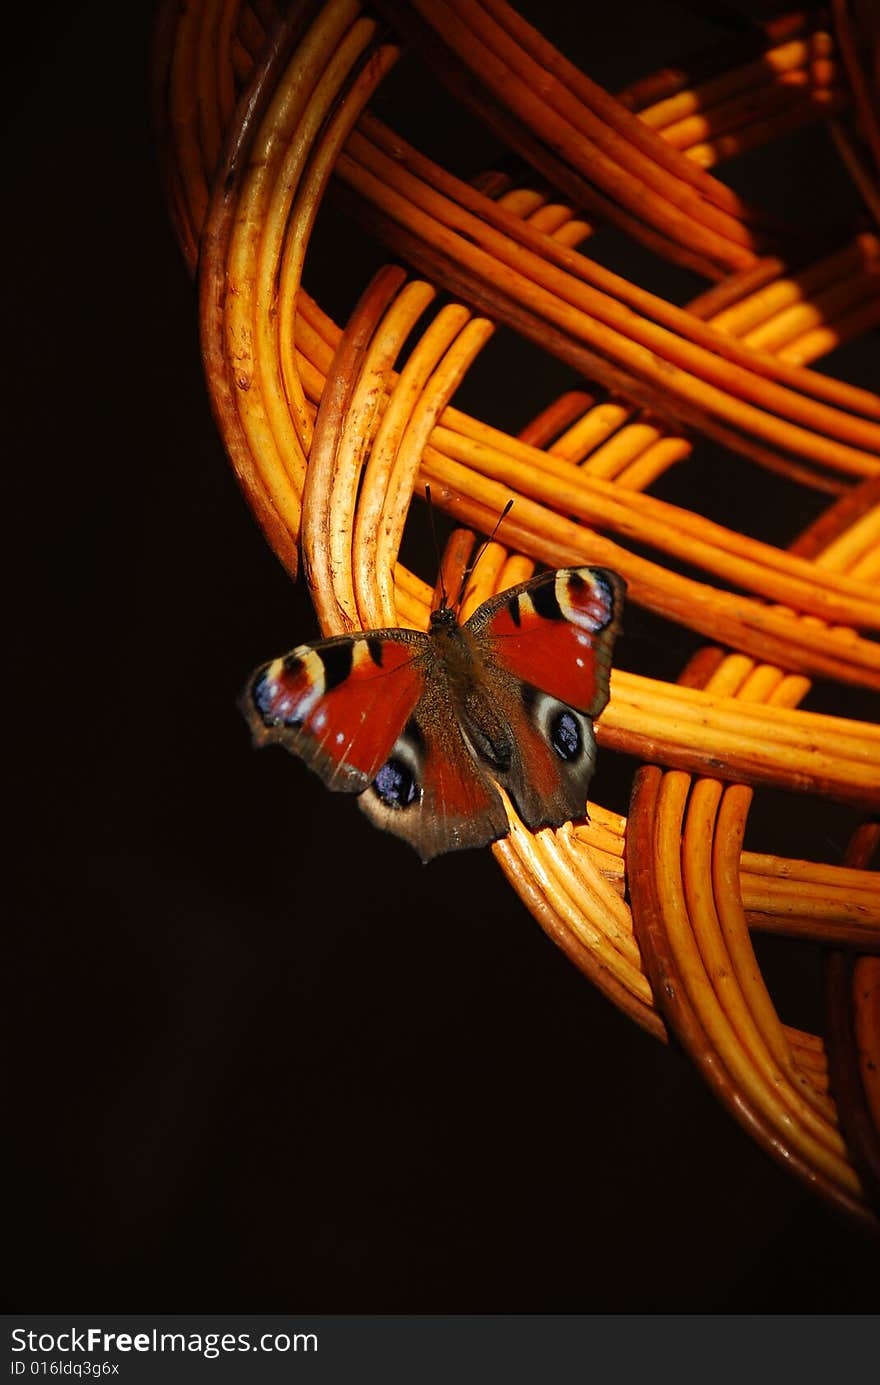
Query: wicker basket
{"points": [[332, 432]]}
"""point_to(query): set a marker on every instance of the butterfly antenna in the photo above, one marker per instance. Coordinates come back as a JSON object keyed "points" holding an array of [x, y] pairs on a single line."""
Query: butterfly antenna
{"points": [[469, 570], [436, 542]]}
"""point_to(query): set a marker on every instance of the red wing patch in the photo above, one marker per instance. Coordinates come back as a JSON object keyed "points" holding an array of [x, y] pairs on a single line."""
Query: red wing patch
{"points": [[556, 633], [340, 703]]}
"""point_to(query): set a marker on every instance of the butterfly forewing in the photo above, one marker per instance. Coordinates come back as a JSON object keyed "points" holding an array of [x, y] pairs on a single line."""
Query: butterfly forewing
{"points": [[340, 703], [556, 632]]}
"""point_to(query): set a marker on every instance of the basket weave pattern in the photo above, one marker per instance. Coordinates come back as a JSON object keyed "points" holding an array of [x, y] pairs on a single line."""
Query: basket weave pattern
{"points": [[257, 113]]}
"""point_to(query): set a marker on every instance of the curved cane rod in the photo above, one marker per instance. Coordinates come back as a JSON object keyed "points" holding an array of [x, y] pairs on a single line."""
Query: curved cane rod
{"points": [[351, 395], [388, 483]]}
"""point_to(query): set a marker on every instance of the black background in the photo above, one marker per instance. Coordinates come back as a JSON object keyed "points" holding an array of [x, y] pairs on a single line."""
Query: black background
{"points": [[267, 1060]]}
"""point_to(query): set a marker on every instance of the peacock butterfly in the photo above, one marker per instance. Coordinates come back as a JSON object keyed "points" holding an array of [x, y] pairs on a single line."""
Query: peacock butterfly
{"points": [[423, 726]]}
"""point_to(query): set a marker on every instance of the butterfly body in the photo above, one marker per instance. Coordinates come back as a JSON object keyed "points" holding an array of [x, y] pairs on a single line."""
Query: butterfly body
{"points": [[424, 726]]}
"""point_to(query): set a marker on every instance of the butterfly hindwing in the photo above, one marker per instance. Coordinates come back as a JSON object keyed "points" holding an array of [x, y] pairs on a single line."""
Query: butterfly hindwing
{"points": [[431, 791], [554, 759]]}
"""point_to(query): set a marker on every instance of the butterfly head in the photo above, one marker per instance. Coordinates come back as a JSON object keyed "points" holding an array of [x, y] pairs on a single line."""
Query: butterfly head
{"points": [[443, 617]]}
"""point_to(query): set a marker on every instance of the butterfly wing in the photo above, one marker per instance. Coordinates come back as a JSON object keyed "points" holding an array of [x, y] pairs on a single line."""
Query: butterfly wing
{"points": [[547, 647], [339, 703], [372, 715], [431, 791]]}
